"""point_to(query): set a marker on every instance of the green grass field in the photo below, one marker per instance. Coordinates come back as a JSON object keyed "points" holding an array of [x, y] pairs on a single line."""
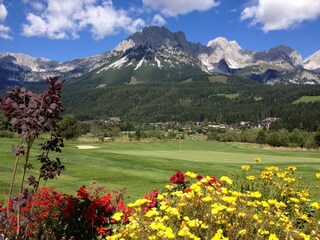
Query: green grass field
{"points": [[229, 96], [307, 99], [141, 167]]}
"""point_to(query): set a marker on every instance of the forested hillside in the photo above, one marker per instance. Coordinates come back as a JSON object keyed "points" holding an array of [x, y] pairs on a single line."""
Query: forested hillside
{"points": [[198, 100]]}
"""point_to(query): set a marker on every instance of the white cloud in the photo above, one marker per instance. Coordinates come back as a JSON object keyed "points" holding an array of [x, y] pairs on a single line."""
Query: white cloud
{"points": [[3, 12], [158, 20], [277, 14], [38, 6], [178, 7], [4, 30], [64, 19]]}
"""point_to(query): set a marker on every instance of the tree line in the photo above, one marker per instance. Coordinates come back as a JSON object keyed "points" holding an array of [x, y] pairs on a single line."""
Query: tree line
{"points": [[190, 102], [280, 138]]}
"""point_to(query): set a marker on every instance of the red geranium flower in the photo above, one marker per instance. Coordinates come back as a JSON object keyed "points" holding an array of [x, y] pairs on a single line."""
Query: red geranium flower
{"points": [[153, 197], [82, 192], [178, 177], [126, 211], [102, 231]]}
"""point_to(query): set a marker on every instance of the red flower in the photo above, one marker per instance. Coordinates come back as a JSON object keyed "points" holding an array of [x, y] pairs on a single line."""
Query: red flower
{"points": [[105, 200], [214, 181], [82, 192], [71, 207], [153, 197], [199, 177], [90, 214], [178, 177], [102, 231], [126, 211]]}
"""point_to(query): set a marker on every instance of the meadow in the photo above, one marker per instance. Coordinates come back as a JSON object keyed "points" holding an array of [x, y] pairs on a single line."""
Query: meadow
{"points": [[143, 166], [307, 99]]}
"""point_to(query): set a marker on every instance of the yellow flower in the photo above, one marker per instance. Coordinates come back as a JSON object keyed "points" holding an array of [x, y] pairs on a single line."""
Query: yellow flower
{"points": [[257, 159], [315, 205], [173, 211], [194, 223], [265, 204], [318, 175], [304, 236], [219, 235], [169, 187], [160, 197], [114, 237], [266, 174], [289, 180], [263, 232], [226, 180], [281, 174], [245, 167], [241, 214], [255, 217], [139, 202], [250, 178], [133, 225], [151, 213], [195, 187], [191, 175], [230, 209], [207, 199], [273, 237], [117, 216], [294, 200], [304, 217], [169, 233], [292, 168], [231, 200], [184, 232], [272, 168], [242, 232], [255, 194]]}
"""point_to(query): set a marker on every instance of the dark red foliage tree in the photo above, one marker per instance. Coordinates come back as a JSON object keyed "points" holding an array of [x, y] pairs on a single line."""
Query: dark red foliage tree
{"points": [[31, 114]]}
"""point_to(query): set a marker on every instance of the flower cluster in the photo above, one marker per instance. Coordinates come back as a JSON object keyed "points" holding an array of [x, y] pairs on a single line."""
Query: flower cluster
{"points": [[52, 215], [266, 204]]}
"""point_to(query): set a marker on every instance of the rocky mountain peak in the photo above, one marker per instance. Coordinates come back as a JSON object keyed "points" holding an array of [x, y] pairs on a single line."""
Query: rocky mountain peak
{"points": [[286, 53], [154, 37], [223, 43], [156, 53], [312, 62]]}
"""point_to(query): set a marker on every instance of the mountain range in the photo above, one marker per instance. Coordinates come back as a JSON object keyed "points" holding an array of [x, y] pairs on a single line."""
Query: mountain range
{"points": [[155, 54]]}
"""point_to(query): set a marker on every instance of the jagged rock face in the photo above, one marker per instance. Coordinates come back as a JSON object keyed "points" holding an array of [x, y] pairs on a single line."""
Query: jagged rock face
{"points": [[219, 49], [157, 51], [283, 56], [155, 37], [313, 62]]}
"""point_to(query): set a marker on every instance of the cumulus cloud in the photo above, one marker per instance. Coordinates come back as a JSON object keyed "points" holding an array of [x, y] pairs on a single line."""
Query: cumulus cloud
{"points": [[64, 19], [3, 12], [179, 7], [277, 15], [4, 30], [158, 20]]}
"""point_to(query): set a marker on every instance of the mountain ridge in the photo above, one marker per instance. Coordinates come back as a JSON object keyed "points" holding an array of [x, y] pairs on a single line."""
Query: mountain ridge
{"points": [[156, 54]]}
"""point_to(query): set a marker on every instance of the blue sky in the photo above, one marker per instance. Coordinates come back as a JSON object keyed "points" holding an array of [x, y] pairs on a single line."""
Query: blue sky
{"points": [[68, 29]]}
